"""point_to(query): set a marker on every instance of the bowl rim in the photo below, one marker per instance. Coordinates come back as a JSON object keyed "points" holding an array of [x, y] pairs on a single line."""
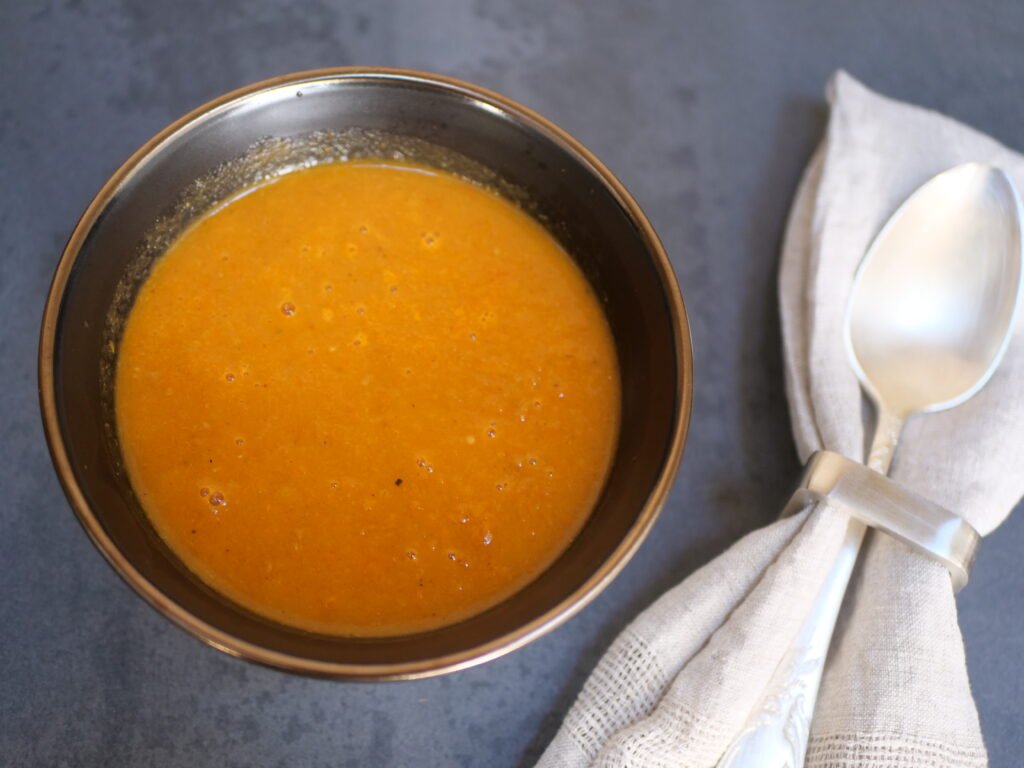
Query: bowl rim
{"points": [[478, 654]]}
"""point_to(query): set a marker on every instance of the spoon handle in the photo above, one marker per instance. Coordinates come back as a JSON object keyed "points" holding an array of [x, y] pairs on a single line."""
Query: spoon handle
{"points": [[887, 435], [777, 731]]}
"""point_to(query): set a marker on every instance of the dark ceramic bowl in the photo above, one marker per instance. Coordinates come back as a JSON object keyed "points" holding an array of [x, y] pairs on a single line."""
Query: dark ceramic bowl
{"points": [[567, 187]]}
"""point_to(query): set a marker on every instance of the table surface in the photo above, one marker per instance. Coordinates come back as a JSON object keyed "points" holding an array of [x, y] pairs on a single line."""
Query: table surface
{"points": [[708, 113]]}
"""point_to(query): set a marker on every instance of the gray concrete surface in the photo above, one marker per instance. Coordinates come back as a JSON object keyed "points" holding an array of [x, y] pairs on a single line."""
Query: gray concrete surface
{"points": [[707, 111]]}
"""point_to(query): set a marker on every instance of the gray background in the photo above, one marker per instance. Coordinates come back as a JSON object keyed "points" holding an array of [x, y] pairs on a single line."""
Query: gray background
{"points": [[707, 111]]}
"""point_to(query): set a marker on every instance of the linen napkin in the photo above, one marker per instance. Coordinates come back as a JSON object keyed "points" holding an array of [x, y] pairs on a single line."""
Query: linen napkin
{"points": [[677, 685]]}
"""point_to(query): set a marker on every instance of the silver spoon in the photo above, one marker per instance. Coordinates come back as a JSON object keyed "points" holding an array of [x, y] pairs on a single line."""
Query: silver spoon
{"points": [[930, 315]]}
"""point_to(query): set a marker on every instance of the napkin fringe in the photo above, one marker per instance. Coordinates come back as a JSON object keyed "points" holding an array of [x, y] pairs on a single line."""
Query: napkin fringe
{"points": [[879, 750], [630, 667]]}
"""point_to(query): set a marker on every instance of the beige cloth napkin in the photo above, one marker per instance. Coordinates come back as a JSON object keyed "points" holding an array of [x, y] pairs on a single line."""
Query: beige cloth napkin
{"points": [[679, 682]]}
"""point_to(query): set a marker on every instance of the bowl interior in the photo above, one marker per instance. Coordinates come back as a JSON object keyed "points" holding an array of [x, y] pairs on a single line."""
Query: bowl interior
{"points": [[616, 251]]}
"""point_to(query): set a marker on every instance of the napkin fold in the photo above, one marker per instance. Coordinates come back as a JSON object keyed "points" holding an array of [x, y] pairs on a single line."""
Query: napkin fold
{"points": [[677, 685]]}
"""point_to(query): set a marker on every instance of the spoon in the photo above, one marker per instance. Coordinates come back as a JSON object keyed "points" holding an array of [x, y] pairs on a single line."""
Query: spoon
{"points": [[930, 315]]}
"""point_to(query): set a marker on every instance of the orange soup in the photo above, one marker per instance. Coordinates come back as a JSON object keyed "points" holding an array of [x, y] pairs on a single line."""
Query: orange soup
{"points": [[367, 398]]}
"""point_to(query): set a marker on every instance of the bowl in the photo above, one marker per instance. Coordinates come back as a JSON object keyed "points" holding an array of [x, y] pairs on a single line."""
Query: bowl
{"points": [[584, 205]]}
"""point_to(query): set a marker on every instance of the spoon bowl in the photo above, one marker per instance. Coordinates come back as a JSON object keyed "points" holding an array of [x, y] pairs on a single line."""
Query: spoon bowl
{"points": [[937, 293]]}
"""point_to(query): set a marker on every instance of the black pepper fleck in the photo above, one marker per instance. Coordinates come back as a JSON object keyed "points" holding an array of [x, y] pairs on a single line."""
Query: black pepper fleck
{"points": [[398, 481]]}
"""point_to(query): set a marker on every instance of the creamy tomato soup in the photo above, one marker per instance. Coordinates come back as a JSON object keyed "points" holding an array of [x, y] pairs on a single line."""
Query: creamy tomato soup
{"points": [[367, 398]]}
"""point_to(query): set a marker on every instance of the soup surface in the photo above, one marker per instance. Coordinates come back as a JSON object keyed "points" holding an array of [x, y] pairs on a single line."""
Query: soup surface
{"points": [[367, 398]]}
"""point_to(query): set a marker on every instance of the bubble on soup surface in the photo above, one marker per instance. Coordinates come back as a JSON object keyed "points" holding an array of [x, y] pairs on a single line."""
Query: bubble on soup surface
{"points": [[288, 309]]}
